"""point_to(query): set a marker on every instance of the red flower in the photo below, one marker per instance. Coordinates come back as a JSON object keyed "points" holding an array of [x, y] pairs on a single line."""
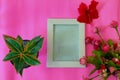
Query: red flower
{"points": [[83, 60], [112, 69], [114, 24], [100, 71], [105, 48], [102, 67], [115, 45], [88, 40], [87, 14], [97, 42], [115, 60], [96, 47], [118, 62]]}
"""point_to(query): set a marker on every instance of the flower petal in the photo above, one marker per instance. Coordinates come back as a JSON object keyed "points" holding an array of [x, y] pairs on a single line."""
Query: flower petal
{"points": [[82, 8]]}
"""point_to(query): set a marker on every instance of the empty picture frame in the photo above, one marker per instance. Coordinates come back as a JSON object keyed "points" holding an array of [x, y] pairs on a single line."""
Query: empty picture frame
{"points": [[66, 43]]}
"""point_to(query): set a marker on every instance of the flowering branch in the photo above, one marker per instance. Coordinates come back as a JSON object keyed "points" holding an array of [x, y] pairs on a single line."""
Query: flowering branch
{"points": [[117, 32], [114, 24], [98, 33], [106, 56]]}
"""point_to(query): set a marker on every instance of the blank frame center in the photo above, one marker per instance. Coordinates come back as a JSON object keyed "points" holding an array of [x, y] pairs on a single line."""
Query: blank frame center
{"points": [[65, 42]]}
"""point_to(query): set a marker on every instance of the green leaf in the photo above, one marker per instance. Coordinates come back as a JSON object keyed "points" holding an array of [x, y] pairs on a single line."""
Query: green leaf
{"points": [[32, 43], [111, 63], [19, 64], [90, 59], [98, 53], [13, 44], [110, 42], [96, 61], [21, 72], [20, 40], [36, 48], [11, 56], [30, 60]]}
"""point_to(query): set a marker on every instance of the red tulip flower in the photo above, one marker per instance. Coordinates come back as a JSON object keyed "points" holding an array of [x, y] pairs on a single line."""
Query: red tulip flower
{"points": [[87, 14]]}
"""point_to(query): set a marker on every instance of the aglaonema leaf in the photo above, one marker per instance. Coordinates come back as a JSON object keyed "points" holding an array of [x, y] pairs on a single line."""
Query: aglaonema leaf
{"points": [[20, 40], [32, 43], [13, 44], [21, 72], [11, 56], [30, 60], [19, 64], [36, 48]]}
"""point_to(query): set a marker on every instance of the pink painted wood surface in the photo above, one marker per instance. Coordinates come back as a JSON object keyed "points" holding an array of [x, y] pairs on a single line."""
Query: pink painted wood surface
{"points": [[28, 18]]}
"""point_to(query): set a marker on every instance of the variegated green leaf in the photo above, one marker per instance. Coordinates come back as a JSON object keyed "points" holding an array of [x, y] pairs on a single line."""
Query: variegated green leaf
{"points": [[32, 43], [20, 40], [21, 72], [30, 60], [13, 44], [11, 56], [36, 48], [19, 64]]}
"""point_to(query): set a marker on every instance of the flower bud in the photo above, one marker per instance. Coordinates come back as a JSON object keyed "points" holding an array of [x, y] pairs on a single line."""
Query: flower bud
{"points": [[112, 69], [97, 42], [96, 47], [118, 62], [83, 60], [102, 67], [96, 30], [115, 60], [115, 45], [114, 24], [88, 40], [105, 48]]}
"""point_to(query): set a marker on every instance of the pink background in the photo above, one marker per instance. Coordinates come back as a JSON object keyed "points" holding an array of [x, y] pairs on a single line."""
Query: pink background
{"points": [[28, 18]]}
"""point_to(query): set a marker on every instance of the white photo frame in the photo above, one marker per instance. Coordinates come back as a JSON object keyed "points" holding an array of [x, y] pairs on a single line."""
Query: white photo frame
{"points": [[66, 43]]}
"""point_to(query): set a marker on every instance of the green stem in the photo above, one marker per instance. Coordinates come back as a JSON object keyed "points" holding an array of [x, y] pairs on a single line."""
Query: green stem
{"points": [[100, 37], [94, 77], [105, 78], [117, 32]]}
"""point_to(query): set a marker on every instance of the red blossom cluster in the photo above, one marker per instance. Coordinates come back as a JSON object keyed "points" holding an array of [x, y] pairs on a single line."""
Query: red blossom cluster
{"points": [[88, 13], [102, 50]]}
